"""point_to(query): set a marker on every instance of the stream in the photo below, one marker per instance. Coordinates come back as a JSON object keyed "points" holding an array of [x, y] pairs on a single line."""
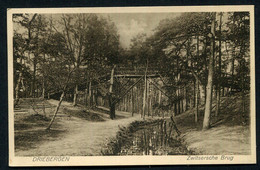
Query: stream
{"points": [[158, 138]]}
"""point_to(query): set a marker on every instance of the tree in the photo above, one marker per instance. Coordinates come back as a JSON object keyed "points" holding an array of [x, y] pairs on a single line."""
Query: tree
{"points": [[102, 51], [19, 67], [242, 37], [60, 69], [74, 32], [218, 88], [208, 104], [27, 43], [179, 41]]}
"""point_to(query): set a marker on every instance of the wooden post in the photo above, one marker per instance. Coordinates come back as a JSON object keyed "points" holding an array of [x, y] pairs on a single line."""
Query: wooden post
{"points": [[111, 103], [145, 90], [144, 97]]}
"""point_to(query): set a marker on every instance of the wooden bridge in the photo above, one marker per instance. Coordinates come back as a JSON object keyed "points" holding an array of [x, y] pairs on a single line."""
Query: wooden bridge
{"points": [[115, 84], [121, 80]]}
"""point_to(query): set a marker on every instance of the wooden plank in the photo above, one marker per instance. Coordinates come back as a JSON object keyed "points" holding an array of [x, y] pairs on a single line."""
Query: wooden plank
{"points": [[170, 97], [117, 100]]}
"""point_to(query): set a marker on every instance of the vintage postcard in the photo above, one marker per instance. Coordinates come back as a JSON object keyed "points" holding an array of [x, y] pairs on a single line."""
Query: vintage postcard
{"points": [[131, 86]]}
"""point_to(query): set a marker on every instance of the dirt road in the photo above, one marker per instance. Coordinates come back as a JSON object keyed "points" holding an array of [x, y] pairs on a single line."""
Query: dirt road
{"points": [[81, 138]]}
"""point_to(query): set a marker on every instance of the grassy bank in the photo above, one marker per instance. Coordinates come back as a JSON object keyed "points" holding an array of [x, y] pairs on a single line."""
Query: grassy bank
{"points": [[229, 133]]}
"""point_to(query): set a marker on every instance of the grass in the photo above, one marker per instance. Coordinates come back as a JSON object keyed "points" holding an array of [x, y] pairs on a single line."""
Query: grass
{"points": [[28, 139], [30, 131], [229, 132], [83, 114], [30, 126], [36, 118]]}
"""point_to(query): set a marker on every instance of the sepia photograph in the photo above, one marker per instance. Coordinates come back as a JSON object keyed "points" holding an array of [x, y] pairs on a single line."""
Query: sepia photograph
{"points": [[131, 86]]}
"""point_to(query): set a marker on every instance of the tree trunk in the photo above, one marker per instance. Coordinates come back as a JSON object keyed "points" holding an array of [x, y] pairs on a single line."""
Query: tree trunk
{"points": [[111, 98], [202, 94], [233, 62], [136, 102], [89, 95], [75, 95], [242, 75], [159, 97], [43, 89], [37, 91], [194, 94], [56, 111], [34, 76], [112, 107], [132, 102], [197, 101], [43, 81], [148, 98], [219, 70], [17, 89], [186, 99], [86, 96], [208, 104], [125, 103], [181, 105], [175, 109], [179, 101]]}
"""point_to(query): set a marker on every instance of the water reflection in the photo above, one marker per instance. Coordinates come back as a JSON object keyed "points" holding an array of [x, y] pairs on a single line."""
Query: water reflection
{"points": [[157, 139]]}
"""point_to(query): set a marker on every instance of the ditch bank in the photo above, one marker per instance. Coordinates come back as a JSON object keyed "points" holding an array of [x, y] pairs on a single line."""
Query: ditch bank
{"points": [[229, 134], [148, 137]]}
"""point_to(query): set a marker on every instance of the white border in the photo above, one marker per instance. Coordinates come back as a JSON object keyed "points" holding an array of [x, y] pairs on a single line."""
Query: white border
{"points": [[131, 160]]}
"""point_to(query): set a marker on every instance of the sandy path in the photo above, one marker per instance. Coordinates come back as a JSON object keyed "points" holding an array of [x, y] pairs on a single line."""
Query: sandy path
{"points": [[222, 140], [82, 138]]}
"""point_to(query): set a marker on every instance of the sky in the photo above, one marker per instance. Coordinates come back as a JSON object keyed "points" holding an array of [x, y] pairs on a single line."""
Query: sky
{"points": [[131, 24]]}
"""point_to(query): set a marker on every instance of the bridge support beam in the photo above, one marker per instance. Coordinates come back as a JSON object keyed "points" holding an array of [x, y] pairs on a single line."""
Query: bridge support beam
{"points": [[110, 95]]}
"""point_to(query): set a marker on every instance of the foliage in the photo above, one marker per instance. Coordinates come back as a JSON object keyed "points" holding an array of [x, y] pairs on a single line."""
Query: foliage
{"points": [[73, 45]]}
